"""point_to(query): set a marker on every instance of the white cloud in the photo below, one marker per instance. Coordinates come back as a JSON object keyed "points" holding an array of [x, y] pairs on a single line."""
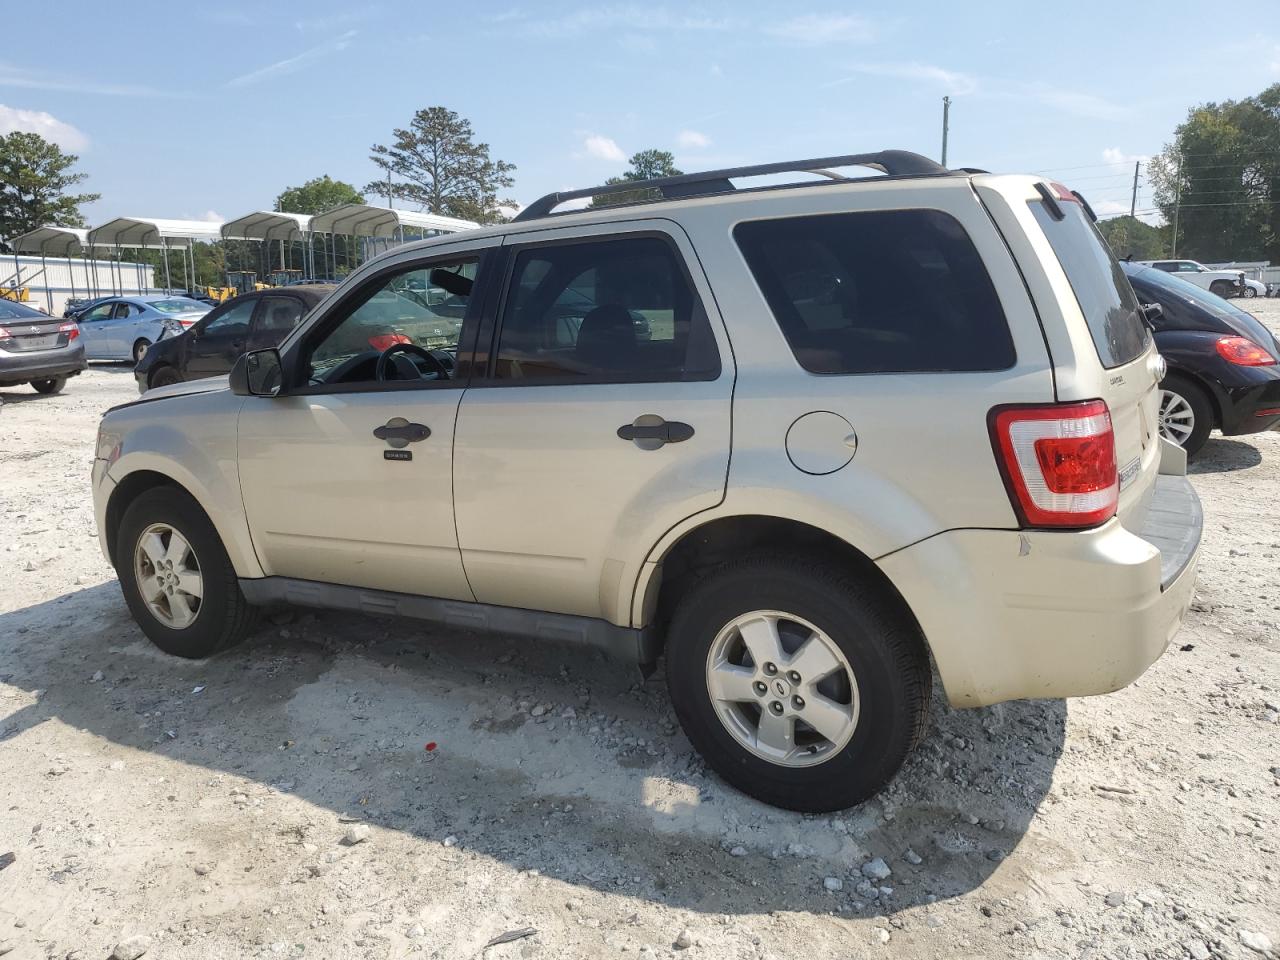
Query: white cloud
{"points": [[603, 148], [950, 80], [604, 20], [815, 29], [1117, 156], [212, 216], [295, 63], [13, 119], [692, 140], [1109, 208]]}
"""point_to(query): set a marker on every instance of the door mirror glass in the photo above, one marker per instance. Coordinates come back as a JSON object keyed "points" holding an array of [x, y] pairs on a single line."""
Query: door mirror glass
{"points": [[256, 374]]}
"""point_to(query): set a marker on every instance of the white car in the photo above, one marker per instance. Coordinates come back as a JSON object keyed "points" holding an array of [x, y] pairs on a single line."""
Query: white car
{"points": [[1253, 288], [1225, 283], [705, 425]]}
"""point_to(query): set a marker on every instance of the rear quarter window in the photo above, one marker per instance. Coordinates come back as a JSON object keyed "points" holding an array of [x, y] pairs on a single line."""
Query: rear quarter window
{"points": [[893, 291], [1099, 284]]}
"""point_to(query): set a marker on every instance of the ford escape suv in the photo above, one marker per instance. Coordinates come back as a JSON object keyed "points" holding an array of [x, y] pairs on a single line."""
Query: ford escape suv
{"points": [[803, 441]]}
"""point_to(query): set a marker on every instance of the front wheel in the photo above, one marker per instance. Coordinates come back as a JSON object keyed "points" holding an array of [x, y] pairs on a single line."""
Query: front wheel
{"points": [[800, 683], [1186, 414], [176, 576], [1249, 293], [49, 384], [1221, 288]]}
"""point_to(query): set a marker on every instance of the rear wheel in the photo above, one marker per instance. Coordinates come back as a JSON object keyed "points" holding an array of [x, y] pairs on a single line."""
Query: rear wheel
{"points": [[798, 682], [1186, 414], [49, 384], [1249, 292], [176, 576], [164, 377], [140, 349]]}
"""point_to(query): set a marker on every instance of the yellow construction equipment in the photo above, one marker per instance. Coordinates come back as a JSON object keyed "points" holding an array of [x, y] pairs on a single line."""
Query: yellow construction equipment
{"points": [[21, 294]]}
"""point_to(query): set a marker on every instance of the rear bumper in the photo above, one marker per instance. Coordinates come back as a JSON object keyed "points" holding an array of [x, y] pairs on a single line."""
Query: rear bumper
{"points": [[23, 367], [1254, 406], [1015, 615]]}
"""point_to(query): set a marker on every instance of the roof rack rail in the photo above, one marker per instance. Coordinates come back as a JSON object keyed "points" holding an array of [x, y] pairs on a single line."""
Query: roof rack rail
{"points": [[894, 163]]}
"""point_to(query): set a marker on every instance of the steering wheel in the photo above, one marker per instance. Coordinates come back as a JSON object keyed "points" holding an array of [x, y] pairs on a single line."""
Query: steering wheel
{"points": [[385, 358]]}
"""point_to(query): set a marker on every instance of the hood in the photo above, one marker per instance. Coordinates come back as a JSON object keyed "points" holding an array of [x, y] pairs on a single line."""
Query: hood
{"points": [[186, 389]]}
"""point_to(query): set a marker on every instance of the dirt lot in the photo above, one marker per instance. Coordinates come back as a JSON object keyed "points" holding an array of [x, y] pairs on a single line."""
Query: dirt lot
{"points": [[203, 806]]}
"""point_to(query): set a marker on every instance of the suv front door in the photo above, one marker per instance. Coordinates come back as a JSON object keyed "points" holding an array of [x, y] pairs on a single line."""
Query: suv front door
{"points": [[329, 500], [607, 344], [215, 343]]}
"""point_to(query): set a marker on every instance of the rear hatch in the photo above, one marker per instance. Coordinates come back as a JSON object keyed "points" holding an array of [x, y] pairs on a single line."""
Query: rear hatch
{"points": [[31, 334], [1120, 336]]}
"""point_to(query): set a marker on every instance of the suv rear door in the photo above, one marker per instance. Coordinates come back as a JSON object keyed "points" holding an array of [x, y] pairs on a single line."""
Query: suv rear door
{"points": [[600, 419]]}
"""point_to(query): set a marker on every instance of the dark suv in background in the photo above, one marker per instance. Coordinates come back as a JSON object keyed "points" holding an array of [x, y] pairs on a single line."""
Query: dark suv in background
{"points": [[38, 349], [252, 321]]}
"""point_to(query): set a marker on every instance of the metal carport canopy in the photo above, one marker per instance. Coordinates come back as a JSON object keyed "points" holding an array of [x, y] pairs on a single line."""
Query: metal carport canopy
{"points": [[147, 232], [51, 241], [362, 220], [268, 225]]}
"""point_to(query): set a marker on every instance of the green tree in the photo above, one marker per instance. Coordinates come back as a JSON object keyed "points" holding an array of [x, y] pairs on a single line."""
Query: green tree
{"points": [[1220, 179], [35, 176], [440, 166], [317, 195], [645, 165], [1130, 237]]}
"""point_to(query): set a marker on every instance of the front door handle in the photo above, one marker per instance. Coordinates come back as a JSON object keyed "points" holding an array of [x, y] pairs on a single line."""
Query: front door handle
{"points": [[650, 432], [399, 432]]}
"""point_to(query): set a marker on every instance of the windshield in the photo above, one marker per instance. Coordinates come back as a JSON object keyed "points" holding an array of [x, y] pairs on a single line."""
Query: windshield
{"points": [[178, 305], [16, 311]]}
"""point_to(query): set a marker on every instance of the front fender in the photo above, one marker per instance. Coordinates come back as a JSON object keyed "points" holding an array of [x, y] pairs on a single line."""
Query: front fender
{"points": [[192, 441]]}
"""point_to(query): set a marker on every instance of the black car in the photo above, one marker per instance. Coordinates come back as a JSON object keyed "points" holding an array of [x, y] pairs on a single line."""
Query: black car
{"points": [[1222, 362], [252, 321]]}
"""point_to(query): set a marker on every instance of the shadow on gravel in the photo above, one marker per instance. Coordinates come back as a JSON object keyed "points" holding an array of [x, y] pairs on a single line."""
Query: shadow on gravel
{"points": [[336, 710], [1220, 455]]}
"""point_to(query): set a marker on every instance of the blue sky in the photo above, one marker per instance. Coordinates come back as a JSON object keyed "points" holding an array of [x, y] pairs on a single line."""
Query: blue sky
{"points": [[210, 110]]}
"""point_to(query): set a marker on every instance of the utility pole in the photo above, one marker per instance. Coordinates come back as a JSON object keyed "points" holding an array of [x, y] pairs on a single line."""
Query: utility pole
{"points": [[1177, 203], [388, 188], [946, 118], [1133, 202]]}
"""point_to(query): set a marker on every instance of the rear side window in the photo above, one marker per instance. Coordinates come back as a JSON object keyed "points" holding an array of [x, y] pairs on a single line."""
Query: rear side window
{"points": [[1100, 286], [895, 291]]}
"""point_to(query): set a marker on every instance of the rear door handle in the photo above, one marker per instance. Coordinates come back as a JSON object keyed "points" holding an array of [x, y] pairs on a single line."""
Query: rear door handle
{"points": [[650, 432], [399, 432]]}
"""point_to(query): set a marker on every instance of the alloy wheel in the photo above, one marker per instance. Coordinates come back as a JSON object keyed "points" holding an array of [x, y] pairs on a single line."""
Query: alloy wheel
{"points": [[168, 576], [1177, 419], [782, 688]]}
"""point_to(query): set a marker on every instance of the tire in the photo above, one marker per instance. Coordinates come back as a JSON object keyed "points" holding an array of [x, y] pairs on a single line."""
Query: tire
{"points": [[49, 384], [1197, 404], [222, 617], [140, 349], [879, 644], [1249, 293], [163, 377], [1221, 288]]}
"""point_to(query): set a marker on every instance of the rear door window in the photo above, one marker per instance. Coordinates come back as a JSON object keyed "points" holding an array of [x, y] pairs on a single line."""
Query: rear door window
{"points": [[894, 291], [1100, 286]]}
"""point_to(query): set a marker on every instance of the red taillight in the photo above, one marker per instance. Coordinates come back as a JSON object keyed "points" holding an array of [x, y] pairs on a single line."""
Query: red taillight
{"points": [[187, 323], [72, 330], [1059, 462], [1243, 352], [383, 340], [1063, 193]]}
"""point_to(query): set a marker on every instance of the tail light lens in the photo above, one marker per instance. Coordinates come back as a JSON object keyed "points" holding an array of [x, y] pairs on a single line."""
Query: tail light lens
{"points": [[1059, 462], [382, 341], [1243, 352], [72, 330], [5, 334], [188, 323]]}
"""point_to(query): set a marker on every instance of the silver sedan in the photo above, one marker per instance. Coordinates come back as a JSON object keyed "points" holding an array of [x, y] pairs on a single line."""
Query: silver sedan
{"points": [[122, 328]]}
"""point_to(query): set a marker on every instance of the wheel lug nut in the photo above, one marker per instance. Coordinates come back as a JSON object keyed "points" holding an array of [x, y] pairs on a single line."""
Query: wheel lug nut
{"points": [[770, 669], [760, 689], [776, 707], [798, 702], [793, 676]]}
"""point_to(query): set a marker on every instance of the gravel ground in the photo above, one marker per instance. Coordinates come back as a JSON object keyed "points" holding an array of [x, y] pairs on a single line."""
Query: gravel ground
{"points": [[282, 799]]}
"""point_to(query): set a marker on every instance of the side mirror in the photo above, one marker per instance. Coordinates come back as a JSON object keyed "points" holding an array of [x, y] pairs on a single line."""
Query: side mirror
{"points": [[256, 374], [1152, 312]]}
